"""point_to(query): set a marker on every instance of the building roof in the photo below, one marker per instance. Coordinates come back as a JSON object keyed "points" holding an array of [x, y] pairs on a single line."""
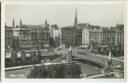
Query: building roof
{"points": [[30, 27], [83, 24], [120, 27], [55, 26], [108, 30], [8, 28], [68, 27]]}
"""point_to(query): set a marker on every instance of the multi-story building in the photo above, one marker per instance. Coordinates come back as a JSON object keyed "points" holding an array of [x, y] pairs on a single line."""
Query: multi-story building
{"points": [[54, 31], [27, 36], [81, 27], [8, 37], [85, 37], [55, 34], [84, 34], [108, 36], [102, 35], [69, 36], [40, 36], [119, 34], [92, 34], [96, 36], [15, 42], [79, 37], [72, 35]]}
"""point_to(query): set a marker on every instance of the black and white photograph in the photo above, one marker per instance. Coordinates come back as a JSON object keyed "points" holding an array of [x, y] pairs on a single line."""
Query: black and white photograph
{"points": [[64, 41], [0, 41]]}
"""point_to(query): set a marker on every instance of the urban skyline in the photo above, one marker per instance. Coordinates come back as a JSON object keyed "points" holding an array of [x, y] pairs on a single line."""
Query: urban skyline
{"points": [[80, 49], [103, 16]]}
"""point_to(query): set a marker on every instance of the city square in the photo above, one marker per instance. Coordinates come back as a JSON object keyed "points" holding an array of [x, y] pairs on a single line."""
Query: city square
{"points": [[80, 50]]}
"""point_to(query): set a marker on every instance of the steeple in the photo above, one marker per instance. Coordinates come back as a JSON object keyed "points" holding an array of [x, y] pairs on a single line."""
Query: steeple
{"points": [[20, 22], [46, 22], [76, 20], [13, 23]]}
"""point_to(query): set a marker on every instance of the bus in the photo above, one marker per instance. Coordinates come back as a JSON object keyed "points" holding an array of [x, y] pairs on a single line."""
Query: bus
{"points": [[82, 50]]}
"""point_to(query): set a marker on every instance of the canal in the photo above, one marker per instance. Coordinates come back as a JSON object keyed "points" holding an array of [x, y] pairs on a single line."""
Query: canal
{"points": [[86, 69], [89, 69]]}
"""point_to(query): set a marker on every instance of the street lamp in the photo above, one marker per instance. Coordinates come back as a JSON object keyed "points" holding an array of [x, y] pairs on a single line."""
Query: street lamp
{"points": [[69, 57]]}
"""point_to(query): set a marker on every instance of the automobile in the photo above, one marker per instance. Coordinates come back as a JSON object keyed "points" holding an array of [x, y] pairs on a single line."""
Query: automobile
{"points": [[82, 50]]}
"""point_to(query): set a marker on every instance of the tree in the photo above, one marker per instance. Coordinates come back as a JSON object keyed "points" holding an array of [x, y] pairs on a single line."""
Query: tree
{"points": [[38, 72], [117, 50], [70, 70]]}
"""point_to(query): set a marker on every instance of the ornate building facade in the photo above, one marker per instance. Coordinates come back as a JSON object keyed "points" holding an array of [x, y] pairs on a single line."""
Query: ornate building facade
{"points": [[84, 34], [72, 35], [26, 36], [103, 35], [8, 37], [69, 36]]}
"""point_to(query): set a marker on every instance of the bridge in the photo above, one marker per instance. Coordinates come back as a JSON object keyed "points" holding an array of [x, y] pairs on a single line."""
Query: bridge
{"points": [[96, 58], [99, 59], [60, 60]]}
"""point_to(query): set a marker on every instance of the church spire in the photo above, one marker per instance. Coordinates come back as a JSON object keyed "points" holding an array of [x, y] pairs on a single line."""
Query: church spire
{"points": [[76, 20], [20, 22], [13, 23], [46, 22]]}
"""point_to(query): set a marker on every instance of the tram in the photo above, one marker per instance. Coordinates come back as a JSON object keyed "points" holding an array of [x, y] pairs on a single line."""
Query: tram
{"points": [[82, 50]]}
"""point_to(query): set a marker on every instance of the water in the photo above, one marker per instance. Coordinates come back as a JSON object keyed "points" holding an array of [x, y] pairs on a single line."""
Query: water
{"points": [[86, 69], [89, 69]]}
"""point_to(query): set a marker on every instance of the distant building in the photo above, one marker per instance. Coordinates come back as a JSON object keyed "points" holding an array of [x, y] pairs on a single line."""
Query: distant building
{"points": [[27, 36], [84, 34], [40, 36], [57, 41], [96, 35], [79, 37], [8, 37], [16, 31], [25, 40], [69, 36], [72, 35], [85, 37], [119, 34], [108, 36], [54, 31], [102, 35], [83, 25], [34, 36], [55, 34]]}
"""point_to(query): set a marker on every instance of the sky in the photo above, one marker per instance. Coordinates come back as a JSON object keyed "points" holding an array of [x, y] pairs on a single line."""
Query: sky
{"points": [[63, 15]]}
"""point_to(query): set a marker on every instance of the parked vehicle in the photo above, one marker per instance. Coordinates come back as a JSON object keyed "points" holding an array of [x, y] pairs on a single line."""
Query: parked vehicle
{"points": [[82, 50]]}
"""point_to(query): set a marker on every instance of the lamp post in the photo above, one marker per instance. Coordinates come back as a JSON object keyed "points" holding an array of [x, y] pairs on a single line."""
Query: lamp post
{"points": [[109, 63], [69, 57]]}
